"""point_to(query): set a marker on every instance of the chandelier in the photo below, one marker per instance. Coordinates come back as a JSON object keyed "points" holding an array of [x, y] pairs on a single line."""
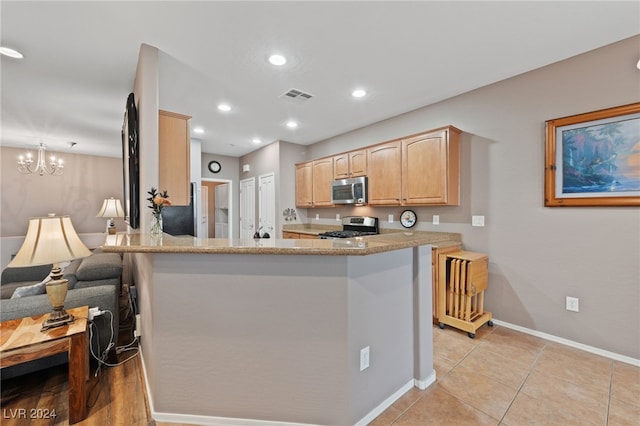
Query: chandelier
{"points": [[40, 166]]}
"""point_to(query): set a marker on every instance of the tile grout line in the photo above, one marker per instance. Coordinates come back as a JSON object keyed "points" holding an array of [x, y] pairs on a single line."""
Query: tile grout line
{"points": [[533, 365]]}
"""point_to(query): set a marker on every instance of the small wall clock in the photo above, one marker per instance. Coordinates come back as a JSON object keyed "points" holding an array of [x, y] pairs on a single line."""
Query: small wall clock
{"points": [[408, 218], [214, 167]]}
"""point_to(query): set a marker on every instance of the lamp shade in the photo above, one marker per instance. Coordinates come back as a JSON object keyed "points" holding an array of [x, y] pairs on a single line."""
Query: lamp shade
{"points": [[50, 240], [111, 208]]}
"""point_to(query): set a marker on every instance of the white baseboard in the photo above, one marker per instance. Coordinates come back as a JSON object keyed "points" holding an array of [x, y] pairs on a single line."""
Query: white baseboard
{"points": [[423, 384], [385, 404], [571, 343]]}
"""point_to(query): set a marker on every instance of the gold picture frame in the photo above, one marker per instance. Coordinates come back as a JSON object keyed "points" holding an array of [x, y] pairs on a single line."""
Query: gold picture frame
{"points": [[593, 159]]}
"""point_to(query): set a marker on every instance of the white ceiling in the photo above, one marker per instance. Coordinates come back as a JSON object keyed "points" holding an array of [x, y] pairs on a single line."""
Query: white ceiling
{"points": [[80, 61]]}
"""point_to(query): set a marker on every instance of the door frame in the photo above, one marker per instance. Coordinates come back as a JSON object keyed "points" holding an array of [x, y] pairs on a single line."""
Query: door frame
{"points": [[230, 199]]}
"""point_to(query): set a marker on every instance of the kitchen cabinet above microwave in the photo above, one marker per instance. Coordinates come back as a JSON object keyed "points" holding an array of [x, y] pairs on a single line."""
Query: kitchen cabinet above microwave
{"points": [[350, 164]]}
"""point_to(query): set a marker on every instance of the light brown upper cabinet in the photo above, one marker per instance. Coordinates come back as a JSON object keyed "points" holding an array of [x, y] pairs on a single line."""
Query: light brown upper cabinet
{"points": [[350, 164], [431, 168], [416, 170], [174, 154], [313, 183], [322, 178], [385, 173], [304, 184]]}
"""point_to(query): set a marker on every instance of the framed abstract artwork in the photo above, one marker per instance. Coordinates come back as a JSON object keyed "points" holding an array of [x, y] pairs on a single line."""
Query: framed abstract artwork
{"points": [[593, 159]]}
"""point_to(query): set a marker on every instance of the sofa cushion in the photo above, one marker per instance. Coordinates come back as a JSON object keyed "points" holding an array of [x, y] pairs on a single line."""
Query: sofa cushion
{"points": [[99, 266], [25, 273]]}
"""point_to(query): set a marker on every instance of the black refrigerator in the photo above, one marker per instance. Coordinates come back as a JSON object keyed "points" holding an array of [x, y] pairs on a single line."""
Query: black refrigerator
{"points": [[181, 220]]}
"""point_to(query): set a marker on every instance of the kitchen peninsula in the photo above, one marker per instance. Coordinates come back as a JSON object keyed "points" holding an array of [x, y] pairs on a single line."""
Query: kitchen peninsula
{"points": [[277, 330]]}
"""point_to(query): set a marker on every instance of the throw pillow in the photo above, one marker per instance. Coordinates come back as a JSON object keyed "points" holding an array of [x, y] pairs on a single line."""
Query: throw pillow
{"points": [[31, 290]]}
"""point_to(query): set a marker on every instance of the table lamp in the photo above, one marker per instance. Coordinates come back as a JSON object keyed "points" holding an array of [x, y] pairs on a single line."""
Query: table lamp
{"points": [[111, 208], [51, 240]]}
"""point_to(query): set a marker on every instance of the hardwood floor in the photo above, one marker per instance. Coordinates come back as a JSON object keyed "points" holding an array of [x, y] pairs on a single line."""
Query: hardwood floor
{"points": [[116, 396]]}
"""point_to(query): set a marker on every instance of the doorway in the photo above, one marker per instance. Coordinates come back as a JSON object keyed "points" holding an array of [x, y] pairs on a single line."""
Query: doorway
{"points": [[219, 207]]}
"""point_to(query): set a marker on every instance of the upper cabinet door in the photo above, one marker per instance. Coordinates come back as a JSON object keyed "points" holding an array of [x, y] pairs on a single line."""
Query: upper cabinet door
{"points": [[341, 166], [385, 173], [304, 184], [174, 154], [430, 168], [322, 178], [358, 163]]}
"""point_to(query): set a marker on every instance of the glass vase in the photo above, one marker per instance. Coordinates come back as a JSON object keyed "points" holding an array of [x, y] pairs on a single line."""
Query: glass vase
{"points": [[156, 225]]}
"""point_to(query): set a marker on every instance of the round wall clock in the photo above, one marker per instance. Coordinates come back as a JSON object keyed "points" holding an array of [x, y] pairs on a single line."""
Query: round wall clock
{"points": [[408, 218], [214, 167]]}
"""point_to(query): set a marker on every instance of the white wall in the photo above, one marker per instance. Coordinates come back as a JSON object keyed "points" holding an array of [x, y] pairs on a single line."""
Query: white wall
{"points": [[537, 255]]}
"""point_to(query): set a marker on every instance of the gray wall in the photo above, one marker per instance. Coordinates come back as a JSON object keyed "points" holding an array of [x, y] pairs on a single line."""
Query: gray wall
{"points": [[278, 337], [537, 255]]}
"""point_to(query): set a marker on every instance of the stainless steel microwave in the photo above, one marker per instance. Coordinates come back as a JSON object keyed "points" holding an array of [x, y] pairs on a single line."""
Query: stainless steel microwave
{"points": [[349, 191]]}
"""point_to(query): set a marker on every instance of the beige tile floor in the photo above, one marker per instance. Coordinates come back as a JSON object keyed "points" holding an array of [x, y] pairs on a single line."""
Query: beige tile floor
{"points": [[504, 377]]}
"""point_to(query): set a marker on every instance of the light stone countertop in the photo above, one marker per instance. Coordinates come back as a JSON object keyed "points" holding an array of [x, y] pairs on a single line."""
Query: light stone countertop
{"points": [[360, 246]]}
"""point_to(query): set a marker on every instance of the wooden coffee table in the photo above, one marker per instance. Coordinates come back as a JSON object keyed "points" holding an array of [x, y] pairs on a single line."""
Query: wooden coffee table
{"points": [[21, 340]]}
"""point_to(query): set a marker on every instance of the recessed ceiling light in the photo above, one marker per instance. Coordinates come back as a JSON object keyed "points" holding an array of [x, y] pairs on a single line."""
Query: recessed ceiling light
{"points": [[358, 93], [224, 107], [11, 53], [278, 60], [198, 130], [256, 140], [292, 124]]}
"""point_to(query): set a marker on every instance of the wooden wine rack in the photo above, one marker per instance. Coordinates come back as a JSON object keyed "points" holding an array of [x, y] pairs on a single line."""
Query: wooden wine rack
{"points": [[463, 279]]}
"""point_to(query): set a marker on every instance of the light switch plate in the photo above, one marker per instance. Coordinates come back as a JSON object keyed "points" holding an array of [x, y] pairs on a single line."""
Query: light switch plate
{"points": [[337, 216], [477, 220], [436, 219], [390, 218]]}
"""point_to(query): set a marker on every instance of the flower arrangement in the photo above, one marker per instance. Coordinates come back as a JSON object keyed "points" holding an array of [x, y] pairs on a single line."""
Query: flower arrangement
{"points": [[158, 200]]}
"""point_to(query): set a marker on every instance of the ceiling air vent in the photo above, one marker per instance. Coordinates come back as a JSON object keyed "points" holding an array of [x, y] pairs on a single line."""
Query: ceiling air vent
{"points": [[297, 95]]}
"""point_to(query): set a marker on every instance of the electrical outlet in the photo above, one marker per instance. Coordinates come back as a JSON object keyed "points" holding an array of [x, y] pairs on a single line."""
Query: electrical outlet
{"points": [[364, 358], [337, 216], [138, 330], [436, 219], [390, 218], [573, 304], [317, 216]]}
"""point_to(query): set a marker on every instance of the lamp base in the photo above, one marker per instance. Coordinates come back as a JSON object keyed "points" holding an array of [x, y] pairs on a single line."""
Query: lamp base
{"points": [[57, 318]]}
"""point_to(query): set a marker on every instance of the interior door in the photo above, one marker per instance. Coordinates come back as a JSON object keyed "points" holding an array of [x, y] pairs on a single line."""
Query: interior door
{"points": [[247, 208], [267, 204]]}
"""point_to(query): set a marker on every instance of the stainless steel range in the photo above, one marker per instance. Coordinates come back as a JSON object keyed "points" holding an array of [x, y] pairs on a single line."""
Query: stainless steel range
{"points": [[354, 226]]}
